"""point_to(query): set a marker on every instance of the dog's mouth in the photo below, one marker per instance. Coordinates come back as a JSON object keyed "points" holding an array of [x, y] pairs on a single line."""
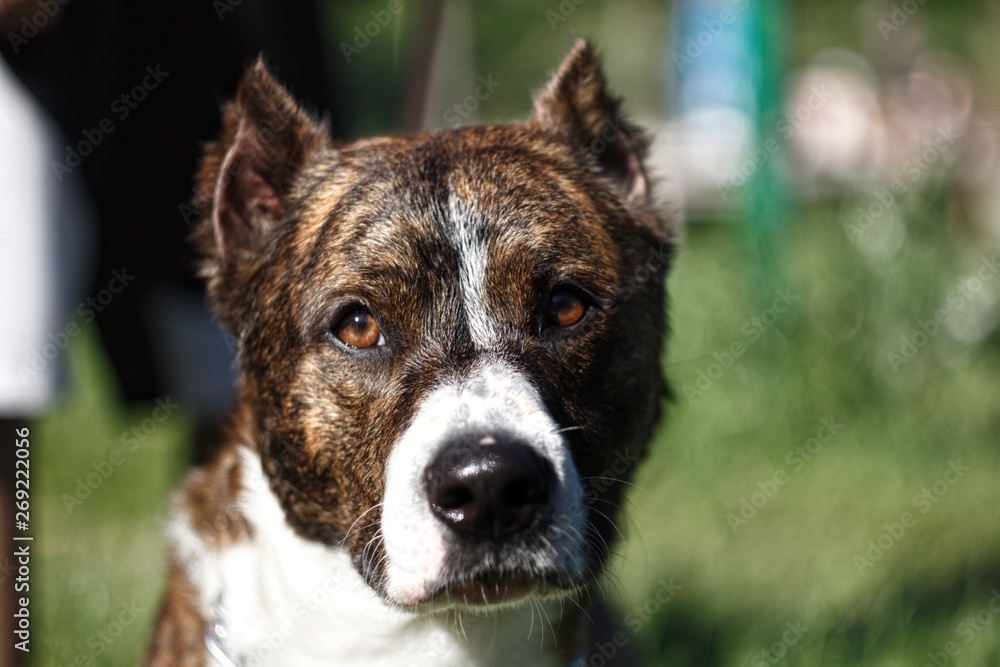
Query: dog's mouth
{"points": [[484, 577], [486, 590], [489, 588]]}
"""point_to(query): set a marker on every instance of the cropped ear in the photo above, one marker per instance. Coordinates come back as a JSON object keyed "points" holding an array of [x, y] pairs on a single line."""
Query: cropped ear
{"points": [[246, 178], [576, 105]]}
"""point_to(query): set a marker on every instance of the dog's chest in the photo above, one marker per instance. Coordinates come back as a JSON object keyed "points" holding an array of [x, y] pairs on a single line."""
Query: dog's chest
{"points": [[281, 600]]}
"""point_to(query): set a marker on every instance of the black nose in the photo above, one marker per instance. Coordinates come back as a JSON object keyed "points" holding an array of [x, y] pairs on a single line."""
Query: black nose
{"points": [[488, 488]]}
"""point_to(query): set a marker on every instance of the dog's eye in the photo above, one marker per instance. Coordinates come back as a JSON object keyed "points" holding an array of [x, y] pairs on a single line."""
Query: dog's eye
{"points": [[566, 307], [359, 329]]}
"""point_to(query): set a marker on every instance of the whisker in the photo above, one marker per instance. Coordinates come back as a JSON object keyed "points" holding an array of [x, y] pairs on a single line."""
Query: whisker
{"points": [[602, 547], [604, 593], [541, 644], [347, 534], [616, 582], [613, 525], [583, 611], [617, 480], [531, 625]]}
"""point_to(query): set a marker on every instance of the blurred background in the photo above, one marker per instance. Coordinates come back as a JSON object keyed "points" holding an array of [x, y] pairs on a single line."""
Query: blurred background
{"points": [[825, 489]]}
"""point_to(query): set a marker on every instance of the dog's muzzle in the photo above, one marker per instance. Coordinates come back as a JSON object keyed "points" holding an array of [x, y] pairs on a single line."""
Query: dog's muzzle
{"points": [[483, 504]]}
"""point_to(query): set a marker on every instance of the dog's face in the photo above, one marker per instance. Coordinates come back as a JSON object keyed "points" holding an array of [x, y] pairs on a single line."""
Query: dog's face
{"points": [[449, 343]]}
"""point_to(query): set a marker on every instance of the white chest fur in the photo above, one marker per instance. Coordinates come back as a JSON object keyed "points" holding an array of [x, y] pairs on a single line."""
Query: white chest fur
{"points": [[283, 600]]}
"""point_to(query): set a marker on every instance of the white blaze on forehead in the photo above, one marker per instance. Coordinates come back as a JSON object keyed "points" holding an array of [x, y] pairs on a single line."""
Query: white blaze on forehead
{"points": [[473, 263], [493, 400]]}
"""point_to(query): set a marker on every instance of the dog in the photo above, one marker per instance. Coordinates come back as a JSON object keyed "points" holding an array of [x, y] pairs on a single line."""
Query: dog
{"points": [[449, 355]]}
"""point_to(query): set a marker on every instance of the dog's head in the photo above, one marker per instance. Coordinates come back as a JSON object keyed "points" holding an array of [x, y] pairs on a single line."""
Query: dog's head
{"points": [[449, 343]]}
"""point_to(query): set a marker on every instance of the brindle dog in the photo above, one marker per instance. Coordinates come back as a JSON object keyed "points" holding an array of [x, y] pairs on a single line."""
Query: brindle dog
{"points": [[449, 349]]}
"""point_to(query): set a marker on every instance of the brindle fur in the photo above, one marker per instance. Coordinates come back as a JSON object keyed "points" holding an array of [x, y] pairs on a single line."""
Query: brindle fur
{"points": [[296, 227]]}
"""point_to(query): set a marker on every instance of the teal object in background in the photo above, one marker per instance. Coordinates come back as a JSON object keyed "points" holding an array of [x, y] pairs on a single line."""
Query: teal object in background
{"points": [[767, 209], [729, 61]]}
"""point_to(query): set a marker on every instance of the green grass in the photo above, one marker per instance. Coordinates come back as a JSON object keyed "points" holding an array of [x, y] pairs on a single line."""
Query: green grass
{"points": [[792, 562], [101, 558]]}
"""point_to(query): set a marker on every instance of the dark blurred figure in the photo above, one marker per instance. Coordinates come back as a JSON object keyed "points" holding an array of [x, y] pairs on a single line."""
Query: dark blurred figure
{"points": [[134, 88]]}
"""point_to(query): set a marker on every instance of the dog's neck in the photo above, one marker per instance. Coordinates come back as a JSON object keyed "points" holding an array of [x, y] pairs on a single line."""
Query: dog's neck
{"points": [[276, 594]]}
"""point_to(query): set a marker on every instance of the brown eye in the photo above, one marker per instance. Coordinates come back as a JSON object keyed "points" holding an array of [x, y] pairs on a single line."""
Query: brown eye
{"points": [[359, 329], [566, 307]]}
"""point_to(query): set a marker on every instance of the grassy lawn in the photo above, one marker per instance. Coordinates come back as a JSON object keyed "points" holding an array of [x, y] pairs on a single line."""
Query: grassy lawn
{"points": [[810, 499], [100, 512], [791, 488]]}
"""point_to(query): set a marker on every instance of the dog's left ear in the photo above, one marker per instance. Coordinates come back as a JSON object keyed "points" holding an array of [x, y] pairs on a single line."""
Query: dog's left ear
{"points": [[576, 105]]}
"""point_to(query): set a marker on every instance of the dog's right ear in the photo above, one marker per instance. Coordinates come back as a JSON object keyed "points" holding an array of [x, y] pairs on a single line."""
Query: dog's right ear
{"points": [[577, 106], [246, 179]]}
